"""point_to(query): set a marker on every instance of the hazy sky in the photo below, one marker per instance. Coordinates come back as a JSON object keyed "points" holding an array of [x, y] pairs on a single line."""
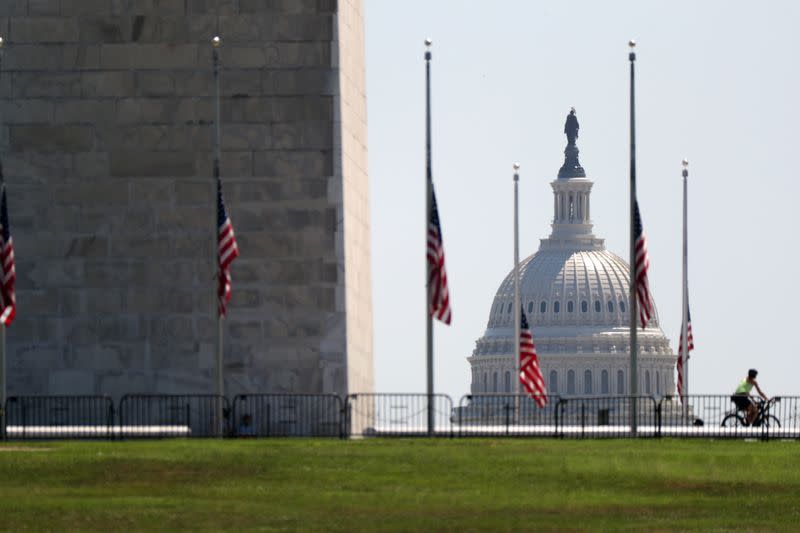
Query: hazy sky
{"points": [[716, 82]]}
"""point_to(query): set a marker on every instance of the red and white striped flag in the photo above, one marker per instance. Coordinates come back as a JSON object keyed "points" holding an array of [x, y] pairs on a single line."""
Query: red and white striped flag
{"points": [[227, 251], [8, 300], [530, 375], [689, 348], [643, 296], [439, 304]]}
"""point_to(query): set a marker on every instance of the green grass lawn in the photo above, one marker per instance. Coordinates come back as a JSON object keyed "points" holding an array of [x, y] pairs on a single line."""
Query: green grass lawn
{"points": [[401, 485]]}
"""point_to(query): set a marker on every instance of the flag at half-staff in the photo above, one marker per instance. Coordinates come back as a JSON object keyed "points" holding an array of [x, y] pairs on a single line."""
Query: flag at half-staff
{"points": [[689, 348], [642, 262], [8, 300], [439, 303], [227, 251], [530, 374]]}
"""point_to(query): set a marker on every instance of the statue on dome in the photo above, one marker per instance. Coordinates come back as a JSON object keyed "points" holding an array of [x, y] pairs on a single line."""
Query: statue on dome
{"points": [[572, 167], [571, 126]]}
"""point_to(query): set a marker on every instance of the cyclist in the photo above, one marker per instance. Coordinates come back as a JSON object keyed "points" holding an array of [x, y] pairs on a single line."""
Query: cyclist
{"points": [[742, 396]]}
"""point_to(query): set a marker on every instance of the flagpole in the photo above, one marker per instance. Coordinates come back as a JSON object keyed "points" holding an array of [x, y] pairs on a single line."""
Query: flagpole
{"points": [[218, 370], [684, 326], [428, 191], [2, 326], [517, 314], [632, 305]]}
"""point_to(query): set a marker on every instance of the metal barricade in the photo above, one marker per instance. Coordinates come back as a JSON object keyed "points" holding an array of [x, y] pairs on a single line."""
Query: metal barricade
{"points": [[397, 415], [403, 415], [782, 420], [606, 416], [702, 415], [59, 417], [496, 415], [288, 415], [173, 415]]}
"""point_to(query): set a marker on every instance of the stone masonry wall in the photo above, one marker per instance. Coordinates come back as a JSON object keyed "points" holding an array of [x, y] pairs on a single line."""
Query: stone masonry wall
{"points": [[106, 137]]}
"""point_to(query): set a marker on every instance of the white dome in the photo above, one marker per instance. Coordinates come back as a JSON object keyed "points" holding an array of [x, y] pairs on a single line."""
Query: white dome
{"points": [[575, 301], [568, 287]]}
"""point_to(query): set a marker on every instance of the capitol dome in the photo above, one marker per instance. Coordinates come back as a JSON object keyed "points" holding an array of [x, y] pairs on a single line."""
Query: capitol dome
{"points": [[575, 294]]}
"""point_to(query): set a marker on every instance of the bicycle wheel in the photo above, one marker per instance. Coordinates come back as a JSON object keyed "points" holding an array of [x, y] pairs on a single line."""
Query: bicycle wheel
{"points": [[773, 421], [733, 421]]}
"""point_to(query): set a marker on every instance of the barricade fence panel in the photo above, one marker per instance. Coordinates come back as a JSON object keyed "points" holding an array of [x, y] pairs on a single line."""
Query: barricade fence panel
{"points": [[288, 415], [607, 416], [59, 417], [702, 415], [397, 415], [487, 415], [173, 415]]}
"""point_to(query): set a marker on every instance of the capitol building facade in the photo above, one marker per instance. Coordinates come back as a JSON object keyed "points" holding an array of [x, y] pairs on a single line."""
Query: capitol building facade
{"points": [[575, 295]]}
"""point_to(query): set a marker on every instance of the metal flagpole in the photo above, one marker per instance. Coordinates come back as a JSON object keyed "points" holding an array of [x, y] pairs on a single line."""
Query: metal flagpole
{"points": [[517, 313], [220, 381], [632, 305], [428, 189], [684, 325], [2, 330]]}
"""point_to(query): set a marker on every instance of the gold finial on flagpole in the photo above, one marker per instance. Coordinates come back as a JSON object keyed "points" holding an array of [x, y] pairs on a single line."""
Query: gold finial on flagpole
{"points": [[216, 41]]}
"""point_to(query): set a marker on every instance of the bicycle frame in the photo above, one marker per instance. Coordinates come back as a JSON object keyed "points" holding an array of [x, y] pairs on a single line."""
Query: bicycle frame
{"points": [[763, 410]]}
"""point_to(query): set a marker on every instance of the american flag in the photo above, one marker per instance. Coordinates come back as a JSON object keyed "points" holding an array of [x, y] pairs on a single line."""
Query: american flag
{"points": [[439, 303], [8, 300], [227, 251], [689, 348], [530, 375], [643, 297]]}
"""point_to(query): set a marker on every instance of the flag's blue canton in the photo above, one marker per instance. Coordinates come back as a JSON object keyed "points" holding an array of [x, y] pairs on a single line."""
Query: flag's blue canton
{"points": [[222, 214], [4, 217], [637, 221], [435, 216]]}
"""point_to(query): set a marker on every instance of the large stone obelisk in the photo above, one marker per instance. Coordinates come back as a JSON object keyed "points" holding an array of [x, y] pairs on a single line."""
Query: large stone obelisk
{"points": [[106, 137]]}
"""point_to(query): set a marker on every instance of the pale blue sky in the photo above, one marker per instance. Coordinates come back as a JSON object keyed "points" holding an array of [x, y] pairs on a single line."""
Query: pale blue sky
{"points": [[717, 82]]}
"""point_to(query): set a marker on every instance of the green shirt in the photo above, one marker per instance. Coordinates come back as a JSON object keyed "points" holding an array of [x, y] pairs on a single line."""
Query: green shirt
{"points": [[744, 387]]}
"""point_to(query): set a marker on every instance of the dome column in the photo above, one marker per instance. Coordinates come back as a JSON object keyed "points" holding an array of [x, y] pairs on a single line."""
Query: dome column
{"points": [[571, 223]]}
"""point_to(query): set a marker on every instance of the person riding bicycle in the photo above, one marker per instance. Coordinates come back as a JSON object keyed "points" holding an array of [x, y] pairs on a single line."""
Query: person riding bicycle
{"points": [[742, 396]]}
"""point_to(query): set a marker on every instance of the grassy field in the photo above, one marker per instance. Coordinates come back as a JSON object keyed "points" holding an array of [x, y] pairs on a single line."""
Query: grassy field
{"points": [[400, 485]]}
